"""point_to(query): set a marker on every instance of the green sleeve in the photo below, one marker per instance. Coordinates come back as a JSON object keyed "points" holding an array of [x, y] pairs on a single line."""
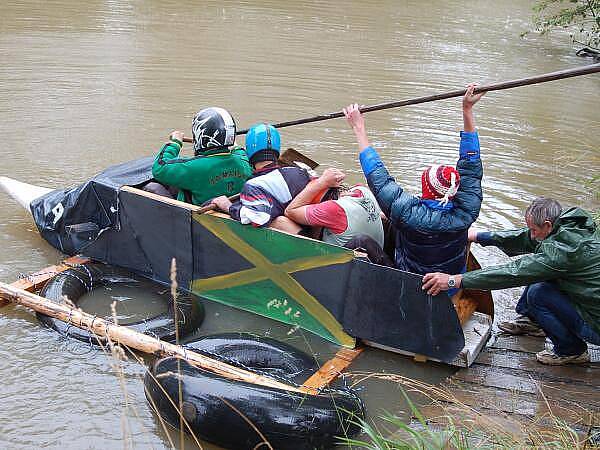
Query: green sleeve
{"points": [[511, 242], [169, 169], [547, 264]]}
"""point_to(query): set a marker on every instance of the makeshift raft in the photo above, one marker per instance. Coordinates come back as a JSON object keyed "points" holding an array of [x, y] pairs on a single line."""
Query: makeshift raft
{"points": [[328, 290], [236, 391]]}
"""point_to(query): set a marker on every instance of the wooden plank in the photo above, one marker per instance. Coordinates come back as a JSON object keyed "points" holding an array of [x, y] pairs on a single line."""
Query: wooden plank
{"points": [[161, 198], [486, 399], [420, 358], [527, 344], [484, 300], [467, 418], [36, 281], [489, 398], [531, 344], [526, 382], [506, 427], [331, 369], [509, 359], [465, 306]]}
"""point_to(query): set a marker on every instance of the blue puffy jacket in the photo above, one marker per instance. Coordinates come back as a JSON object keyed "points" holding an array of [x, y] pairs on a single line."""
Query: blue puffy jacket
{"points": [[430, 237]]}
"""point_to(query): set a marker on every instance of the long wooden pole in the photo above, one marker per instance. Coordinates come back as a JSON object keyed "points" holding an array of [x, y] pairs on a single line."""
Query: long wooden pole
{"points": [[568, 73], [133, 339]]}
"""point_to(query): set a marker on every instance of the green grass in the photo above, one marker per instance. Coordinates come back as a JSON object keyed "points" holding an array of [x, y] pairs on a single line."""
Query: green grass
{"points": [[459, 426]]}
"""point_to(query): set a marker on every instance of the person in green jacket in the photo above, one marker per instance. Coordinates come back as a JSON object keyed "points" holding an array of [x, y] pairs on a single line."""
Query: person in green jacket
{"points": [[217, 167], [562, 275]]}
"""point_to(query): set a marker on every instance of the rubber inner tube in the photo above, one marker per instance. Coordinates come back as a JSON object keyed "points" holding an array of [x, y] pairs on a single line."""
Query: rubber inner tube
{"points": [[258, 354], [75, 282], [228, 413]]}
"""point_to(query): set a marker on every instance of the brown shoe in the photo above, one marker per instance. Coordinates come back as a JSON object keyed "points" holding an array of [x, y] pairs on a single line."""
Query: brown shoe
{"points": [[522, 325], [552, 359]]}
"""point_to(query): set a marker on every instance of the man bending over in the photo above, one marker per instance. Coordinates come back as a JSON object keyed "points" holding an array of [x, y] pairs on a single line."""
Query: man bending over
{"points": [[562, 275]]}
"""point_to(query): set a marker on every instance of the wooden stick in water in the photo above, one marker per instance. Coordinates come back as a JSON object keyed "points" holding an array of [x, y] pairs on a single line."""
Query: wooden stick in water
{"points": [[130, 338]]}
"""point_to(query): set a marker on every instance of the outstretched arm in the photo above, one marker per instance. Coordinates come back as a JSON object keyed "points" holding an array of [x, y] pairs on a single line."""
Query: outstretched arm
{"points": [[381, 183], [468, 101], [357, 123]]}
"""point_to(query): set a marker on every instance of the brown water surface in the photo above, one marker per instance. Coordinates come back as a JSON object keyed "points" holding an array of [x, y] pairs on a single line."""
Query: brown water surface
{"points": [[87, 84]]}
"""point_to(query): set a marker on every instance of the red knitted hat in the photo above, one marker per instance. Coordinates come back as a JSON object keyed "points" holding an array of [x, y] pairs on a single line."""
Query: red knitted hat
{"points": [[440, 183]]}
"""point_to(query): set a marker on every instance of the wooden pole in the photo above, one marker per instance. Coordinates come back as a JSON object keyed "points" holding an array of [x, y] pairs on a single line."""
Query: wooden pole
{"points": [[133, 339], [578, 71]]}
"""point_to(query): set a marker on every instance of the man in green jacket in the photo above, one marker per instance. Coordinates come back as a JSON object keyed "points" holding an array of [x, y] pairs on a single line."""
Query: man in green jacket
{"points": [[562, 275], [217, 168]]}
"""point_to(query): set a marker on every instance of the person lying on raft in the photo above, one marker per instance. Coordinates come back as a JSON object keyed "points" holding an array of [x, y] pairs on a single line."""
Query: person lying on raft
{"points": [[431, 231], [351, 220], [271, 187], [217, 167], [562, 275]]}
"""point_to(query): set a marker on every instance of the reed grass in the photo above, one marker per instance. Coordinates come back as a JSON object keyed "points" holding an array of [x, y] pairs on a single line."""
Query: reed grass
{"points": [[460, 426], [118, 355]]}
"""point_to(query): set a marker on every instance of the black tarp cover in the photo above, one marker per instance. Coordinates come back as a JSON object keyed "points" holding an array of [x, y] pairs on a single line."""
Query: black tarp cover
{"points": [[70, 219]]}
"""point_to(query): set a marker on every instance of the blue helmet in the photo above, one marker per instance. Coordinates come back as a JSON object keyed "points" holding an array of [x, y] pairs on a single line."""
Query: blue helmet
{"points": [[263, 143]]}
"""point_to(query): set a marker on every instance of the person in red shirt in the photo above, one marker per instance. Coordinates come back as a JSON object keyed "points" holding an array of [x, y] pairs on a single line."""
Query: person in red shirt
{"points": [[353, 220]]}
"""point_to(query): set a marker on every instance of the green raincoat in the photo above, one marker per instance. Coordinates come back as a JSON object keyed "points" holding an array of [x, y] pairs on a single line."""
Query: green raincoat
{"points": [[569, 256]]}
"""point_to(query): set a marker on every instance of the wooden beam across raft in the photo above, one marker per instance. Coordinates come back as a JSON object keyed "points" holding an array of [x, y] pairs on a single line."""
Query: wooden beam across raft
{"points": [[35, 281], [331, 369], [138, 341]]}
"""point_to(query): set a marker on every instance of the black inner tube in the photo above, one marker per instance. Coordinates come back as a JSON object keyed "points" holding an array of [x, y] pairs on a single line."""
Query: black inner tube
{"points": [[258, 354], [219, 409], [74, 283]]}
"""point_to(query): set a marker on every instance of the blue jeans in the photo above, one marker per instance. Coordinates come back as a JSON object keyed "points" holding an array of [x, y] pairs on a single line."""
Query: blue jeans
{"points": [[552, 310]]}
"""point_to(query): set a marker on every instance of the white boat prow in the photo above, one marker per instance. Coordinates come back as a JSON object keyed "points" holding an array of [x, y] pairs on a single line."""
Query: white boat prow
{"points": [[22, 192]]}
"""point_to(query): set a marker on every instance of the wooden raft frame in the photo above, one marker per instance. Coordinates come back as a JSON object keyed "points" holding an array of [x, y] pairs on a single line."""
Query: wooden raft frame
{"points": [[326, 374]]}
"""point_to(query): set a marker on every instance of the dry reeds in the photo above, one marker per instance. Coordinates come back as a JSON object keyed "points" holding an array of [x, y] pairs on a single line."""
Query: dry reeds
{"points": [[448, 423]]}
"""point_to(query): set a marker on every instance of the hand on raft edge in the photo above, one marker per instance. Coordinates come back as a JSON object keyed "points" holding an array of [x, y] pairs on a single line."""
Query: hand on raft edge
{"points": [[436, 282]]}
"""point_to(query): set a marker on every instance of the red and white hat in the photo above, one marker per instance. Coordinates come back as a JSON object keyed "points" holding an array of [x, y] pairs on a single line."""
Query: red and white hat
{"points": [[440, 183]]}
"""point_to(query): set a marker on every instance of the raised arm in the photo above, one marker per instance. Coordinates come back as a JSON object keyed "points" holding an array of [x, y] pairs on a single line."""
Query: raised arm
{"points": [[469, 196], [469, 100], [382, 184], [167, 167], [357, 123]]}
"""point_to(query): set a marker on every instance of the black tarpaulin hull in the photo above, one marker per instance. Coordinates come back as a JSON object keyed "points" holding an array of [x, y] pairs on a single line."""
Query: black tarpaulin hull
{"points": [[303, 282]]}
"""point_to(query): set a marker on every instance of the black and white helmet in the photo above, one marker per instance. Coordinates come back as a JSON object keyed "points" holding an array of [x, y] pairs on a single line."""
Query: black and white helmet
{"points": [[212, 128]]}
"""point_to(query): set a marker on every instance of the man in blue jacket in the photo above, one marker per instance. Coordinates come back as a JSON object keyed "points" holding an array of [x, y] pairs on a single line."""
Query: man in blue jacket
{"points": [[431, 230]]}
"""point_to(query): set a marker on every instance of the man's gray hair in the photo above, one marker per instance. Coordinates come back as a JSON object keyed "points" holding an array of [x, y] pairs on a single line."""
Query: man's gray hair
{"points": [[542, 209]]}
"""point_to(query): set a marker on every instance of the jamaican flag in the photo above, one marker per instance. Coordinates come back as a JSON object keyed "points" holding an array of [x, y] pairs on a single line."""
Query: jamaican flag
{"points": [[280, 276]]}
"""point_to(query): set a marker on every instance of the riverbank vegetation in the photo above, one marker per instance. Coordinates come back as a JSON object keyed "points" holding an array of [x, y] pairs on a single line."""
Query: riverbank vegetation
{"points": [[447, 423], [580, 18]]}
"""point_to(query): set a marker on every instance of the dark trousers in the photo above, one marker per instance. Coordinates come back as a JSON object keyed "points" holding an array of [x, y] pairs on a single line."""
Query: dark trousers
{"points": [[552, 310], [374, 252]]}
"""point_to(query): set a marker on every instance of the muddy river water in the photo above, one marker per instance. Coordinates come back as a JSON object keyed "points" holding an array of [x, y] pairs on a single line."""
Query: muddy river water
{"points": [[87, 84]]}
